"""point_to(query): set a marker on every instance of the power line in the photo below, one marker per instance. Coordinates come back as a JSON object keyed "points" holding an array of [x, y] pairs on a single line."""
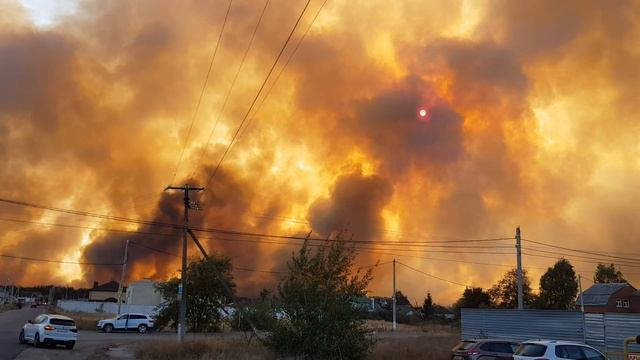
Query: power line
{"points": [[586, 257], [244, 119], [56, 261], [231, 232], [576, 260], [204, 86], [579, 251], [293, 52], [431, 275], [233, 83]]}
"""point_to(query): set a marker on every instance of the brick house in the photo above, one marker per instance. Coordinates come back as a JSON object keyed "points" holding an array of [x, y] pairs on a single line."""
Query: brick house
{"points": [[611, 298]]}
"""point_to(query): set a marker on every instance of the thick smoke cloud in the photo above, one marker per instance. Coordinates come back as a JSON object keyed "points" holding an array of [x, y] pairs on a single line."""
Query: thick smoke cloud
{"points": [[532, 122]]}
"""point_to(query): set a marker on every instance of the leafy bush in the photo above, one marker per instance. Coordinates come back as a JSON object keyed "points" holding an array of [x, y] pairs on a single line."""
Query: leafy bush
{"points": [[317, 302]]}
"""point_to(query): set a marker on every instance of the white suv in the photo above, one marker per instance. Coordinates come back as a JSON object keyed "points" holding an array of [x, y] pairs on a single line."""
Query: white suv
{"points": [[48, 329], [139, 322], [552, 350]]}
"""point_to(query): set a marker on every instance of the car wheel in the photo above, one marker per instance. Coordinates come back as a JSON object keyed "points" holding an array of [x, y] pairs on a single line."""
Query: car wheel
{"points": [[108, 328], [142, 328], [36, 340], [70, 345], [21, 339]]}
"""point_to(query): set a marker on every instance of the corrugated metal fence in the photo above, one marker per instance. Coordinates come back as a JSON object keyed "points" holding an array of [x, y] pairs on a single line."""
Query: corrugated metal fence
{"points": [[605, 332]]}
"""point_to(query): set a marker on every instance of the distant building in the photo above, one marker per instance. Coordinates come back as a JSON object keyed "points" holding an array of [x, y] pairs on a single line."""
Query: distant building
{"points": [[610, 298], [442, 312], [143, 292], [107, 292]]}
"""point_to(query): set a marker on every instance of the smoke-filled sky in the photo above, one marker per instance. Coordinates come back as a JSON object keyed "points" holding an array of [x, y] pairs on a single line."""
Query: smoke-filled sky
{"points": [[532, 122]]}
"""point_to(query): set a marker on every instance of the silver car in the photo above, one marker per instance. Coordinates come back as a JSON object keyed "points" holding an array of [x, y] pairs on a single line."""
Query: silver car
{"points": [[139, 322], [48, 329]]}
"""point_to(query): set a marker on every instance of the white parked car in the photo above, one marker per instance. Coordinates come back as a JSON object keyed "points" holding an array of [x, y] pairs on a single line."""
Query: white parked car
{"points": [[139, 322], [48, 329], [552, 350]]}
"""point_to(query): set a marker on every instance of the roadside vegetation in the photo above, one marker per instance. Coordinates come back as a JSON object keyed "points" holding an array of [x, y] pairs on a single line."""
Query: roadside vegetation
{"points": [[84, 321], [5, 307]]}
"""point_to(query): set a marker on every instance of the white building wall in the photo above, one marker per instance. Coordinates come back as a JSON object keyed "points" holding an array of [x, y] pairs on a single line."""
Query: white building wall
{"points": [[97, 307], [143, 292]]}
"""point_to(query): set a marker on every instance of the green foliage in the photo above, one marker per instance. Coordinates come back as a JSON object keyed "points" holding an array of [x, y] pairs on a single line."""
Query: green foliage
{"points": [[504, 294], [558, 287], [427, 307], [262, 313], [472, 298], [608, 274], [402, 299], [206, 297], [317, 298]]}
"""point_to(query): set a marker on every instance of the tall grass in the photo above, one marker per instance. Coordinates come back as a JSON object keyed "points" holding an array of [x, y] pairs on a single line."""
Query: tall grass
{"points": [[218, 349]]}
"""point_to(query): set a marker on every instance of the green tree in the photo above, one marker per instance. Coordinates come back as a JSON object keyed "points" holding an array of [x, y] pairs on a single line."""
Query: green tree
{"points": [[558, 287], [402, 299], [504, 294], [206, 296], [473, 298], [316, 298], [608, 274], [427, 307]]}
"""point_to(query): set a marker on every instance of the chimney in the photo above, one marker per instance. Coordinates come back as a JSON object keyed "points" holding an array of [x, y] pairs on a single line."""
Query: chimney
{"points": [[95, 284]]}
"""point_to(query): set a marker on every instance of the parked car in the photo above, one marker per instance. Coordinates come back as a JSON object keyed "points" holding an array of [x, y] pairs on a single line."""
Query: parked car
{"points": [[48, 329], [139, 322], [551, 350], [484, 349]]}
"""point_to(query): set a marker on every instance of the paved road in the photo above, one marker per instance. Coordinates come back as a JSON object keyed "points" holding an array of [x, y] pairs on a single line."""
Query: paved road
{"points": [[10, 324]]}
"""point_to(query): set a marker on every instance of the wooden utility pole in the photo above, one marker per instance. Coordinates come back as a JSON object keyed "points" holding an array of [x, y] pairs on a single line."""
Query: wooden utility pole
{"points": [[519, 270], [394, 295], [122, 275], [182, 291]]}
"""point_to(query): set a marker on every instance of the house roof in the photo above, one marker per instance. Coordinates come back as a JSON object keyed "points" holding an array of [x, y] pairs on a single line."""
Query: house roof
{"points": [[111, 286], [599, 294]]}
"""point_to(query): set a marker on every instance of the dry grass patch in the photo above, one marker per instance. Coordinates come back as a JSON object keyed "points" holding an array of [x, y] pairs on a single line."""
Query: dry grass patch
{"points": [[415, 346], [5, 307], [429, 327], [218, 349], [84, 321]]}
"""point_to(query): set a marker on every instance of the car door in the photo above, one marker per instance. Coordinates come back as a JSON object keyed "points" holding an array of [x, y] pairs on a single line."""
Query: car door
{"points": [[121, 321], [570, 352], [137, 320], [591, 354], [30, 328]]}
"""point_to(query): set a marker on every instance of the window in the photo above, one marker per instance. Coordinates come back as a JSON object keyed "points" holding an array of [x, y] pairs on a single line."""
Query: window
{"points": [[122, 317], [139, 317], [63, 322], [618, 303], [591, 354], [38, 319], [569, 352], [625, 303], [533, 350]]}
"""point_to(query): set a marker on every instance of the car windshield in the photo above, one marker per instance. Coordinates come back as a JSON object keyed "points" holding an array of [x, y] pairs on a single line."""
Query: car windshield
{"points": [[463, 345], [62, 322], [531, 350]]}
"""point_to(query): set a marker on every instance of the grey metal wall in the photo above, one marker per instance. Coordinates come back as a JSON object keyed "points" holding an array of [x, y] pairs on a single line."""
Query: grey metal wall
{"points": [[605, 332], [595, 330], [522, 325], [618, 327]]}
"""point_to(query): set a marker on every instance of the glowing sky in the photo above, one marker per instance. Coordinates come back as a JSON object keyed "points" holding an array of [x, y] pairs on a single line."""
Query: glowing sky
{"points": [[531, 121]]}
